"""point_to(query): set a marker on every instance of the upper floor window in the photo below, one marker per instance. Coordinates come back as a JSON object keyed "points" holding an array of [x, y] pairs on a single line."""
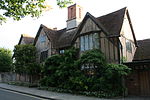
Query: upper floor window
{"points": [[43, 38], [128, 46], [89, 42]]}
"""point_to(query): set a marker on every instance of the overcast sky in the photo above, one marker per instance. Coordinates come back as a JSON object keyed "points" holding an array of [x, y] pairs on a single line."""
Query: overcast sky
{"points": [[11, 31]]}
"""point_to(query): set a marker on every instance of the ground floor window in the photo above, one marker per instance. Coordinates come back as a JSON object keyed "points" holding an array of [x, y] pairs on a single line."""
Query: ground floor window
{"points": [[43, 55], [61, 51]]}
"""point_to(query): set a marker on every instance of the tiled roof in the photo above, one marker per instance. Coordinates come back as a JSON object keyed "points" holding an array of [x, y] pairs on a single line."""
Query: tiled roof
{"points": [[113, 21], [27, 39], [143, 50]]}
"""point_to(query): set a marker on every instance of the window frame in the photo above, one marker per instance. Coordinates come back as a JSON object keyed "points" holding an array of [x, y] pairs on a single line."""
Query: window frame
{"points": [[89, 35], [129, 46], [43, 38], [43, 55]]}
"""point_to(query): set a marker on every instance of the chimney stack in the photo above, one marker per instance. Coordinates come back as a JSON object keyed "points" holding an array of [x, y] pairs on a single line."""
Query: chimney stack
{"points": [[74, 16]]}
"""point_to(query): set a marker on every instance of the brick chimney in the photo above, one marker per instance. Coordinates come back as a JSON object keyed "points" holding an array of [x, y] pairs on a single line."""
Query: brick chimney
{"points": [[74, 16]]}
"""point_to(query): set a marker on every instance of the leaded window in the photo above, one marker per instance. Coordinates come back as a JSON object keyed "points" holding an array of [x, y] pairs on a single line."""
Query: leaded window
{"points": [[43, 38], [128, 46], [89, 42]]}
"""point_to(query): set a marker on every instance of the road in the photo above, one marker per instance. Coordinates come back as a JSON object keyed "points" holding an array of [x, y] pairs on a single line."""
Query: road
{"points": [[9, 95]]}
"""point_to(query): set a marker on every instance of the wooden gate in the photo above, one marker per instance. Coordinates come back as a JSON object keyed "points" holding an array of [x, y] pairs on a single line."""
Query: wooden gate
{"points": [[144, 81], [138, 83]]}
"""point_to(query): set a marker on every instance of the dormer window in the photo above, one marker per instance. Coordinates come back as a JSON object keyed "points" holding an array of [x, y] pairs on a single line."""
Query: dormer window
{"points": [[88, 42], [43, 38]]}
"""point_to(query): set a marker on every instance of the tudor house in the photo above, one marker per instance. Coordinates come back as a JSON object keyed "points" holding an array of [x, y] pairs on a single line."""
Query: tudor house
{"points": [[112, 33]]}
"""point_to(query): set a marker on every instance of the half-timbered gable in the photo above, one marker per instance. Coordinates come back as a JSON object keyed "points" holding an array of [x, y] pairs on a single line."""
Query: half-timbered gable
{"points": [[42, 44], [92, 35], [127, 38]]}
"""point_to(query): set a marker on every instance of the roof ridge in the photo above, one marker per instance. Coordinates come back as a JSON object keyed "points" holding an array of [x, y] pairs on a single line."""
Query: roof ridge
{"points": [[124, 8]]}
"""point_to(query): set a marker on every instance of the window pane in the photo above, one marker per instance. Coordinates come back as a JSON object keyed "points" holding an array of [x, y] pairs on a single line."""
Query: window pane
{"points": [[43, 55], [43, 38], [90, 42], [128, 46], [82, 43], [96, 40], [61, 51], [86, 43]]}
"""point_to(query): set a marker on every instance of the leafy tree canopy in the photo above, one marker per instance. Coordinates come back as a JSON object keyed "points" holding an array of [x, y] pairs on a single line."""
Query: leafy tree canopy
{"points": [[5, 60], [18, 9], [24, 58]]}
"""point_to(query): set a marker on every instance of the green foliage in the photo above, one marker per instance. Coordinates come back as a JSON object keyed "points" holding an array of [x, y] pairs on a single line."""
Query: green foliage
{"points": [[124, 59], [115, 72], [93, 56], [60, 67], [24, 58], [96, 58], [5, 60], [18, 9], [63, 3], [64, 72]]}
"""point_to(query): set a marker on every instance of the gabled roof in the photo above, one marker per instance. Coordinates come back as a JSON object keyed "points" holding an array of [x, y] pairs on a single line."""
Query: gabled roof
{"points": [[113, 21], [81, 25], [143, 50], [27, 39], [59, 38], [65, 39], [111, 24], [50, 33]]}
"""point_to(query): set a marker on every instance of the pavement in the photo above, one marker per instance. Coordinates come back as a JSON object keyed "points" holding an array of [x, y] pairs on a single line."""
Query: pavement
{"points": [[58, 96], [10, 95]]}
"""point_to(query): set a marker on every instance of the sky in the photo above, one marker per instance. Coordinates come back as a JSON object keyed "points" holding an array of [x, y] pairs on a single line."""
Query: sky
{"points": [[10, 32]]}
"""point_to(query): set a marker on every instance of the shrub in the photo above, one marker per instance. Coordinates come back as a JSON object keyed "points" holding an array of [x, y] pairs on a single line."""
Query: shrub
{"points": [[65, 72]]}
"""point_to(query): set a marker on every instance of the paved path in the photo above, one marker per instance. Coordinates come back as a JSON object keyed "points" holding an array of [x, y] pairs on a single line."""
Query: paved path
{"points": [[59, 96], [9, 95]]}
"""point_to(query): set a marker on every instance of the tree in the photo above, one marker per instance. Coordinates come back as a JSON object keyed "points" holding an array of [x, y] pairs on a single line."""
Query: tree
{"points": [[18, 9], [5, 60], [25, 60]]}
